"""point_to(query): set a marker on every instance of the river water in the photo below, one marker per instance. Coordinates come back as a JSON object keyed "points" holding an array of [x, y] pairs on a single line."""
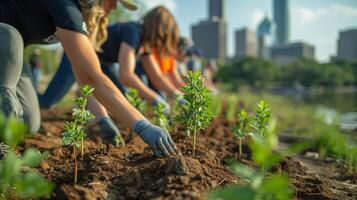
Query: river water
{"points": [[338, 104]]}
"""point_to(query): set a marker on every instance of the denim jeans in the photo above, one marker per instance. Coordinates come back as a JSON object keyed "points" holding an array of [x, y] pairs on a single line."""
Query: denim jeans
{"points": [[17, 94], [64, 80], [139, 70]]}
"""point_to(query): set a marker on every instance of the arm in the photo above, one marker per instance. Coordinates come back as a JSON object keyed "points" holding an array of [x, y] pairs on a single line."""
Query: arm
{"points": [[87, 70], [176, 78], [155, 75], [128, 77]]}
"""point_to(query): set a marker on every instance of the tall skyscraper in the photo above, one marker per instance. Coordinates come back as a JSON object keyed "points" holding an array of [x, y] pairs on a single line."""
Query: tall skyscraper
{"points": [[281, 19], [347, 45], [246, 43], [211, 35], [216, 9]]}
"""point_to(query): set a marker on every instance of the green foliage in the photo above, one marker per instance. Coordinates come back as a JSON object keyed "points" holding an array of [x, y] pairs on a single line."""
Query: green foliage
{"points": [[26, 183], [74, 134], [242, 127], [119, 140], [12, 130], [262, 73], [258, 185], [16, 172], [74, 130], [196, 114], [330, 141], [261, 121], [251, 71], [134, 99], [160, 117]]}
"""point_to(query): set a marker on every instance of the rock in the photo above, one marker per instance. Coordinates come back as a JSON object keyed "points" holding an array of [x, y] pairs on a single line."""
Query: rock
{"points": [[177, 165], [44, 165]]}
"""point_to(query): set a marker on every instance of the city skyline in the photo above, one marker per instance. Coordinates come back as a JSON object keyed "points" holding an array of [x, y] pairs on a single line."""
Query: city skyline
{"points": [[317, 22]]}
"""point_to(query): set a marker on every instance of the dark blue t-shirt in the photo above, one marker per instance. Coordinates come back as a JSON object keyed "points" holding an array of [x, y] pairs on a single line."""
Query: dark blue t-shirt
{"points": [[118, 33], [37, 20]]}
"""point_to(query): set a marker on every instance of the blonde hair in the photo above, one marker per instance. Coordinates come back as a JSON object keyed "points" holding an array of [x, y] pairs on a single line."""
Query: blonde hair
{"points": [[96, 20], [160, 31]]}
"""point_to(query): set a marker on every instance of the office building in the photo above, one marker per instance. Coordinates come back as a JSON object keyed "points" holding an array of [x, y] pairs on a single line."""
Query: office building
{"points": [[286, 54], [211, 35], [281, 21], [245, 43], [347, 45]]}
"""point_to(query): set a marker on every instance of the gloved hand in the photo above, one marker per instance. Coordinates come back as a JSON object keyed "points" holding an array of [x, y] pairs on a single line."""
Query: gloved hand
{"points": [[159, 140], [109, 130], [179, 97], [158, 99]]}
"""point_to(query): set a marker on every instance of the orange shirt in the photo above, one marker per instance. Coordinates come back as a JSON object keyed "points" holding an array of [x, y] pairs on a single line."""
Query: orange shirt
{"points": [[166, 63]]}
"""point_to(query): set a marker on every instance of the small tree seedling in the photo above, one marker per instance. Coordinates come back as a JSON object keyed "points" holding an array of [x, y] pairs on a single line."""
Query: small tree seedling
{"points": [[258, 185], [134, 99], [241, 129], [160, 117], [196, 114], [74, 134], [119, 140], [261, 121]]}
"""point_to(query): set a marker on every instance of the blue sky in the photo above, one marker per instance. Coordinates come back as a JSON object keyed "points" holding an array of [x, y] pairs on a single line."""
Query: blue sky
{"points": [[314, 21]]}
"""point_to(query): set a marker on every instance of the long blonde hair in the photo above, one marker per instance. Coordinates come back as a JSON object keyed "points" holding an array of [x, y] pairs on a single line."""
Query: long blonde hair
{"points": [[96, 20], [160, 31]]}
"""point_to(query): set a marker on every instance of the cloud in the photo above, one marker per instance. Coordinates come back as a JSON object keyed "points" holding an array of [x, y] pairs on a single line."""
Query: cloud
{"points": [[257, 16], [304, 16], [170, 4], [320, 26]]}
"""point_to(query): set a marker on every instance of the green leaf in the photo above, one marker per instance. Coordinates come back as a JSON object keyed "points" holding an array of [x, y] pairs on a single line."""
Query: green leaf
{"points": [[13, 131], [232, 193], [33, 185], [32, 157], [278, 187]]}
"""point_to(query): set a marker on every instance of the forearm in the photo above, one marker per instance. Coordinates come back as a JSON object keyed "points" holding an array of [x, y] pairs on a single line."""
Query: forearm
{"points": [[132, 80], [177, 79], [155, 75]]}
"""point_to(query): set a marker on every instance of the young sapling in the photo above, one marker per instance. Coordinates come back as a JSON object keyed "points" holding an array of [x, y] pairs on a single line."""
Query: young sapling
{"points": [[259, 185], [74, 134], [241, 129], [260, 122], [134, 99], [119, 140], [196, 114]]}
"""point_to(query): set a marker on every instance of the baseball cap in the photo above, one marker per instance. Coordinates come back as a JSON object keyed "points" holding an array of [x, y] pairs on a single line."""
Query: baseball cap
{"points": [[129, 4]]}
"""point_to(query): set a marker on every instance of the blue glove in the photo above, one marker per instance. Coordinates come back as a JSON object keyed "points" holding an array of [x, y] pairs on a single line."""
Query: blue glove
{"points": [[179, 98], [159, 140], [108, 130], [158, 99]]}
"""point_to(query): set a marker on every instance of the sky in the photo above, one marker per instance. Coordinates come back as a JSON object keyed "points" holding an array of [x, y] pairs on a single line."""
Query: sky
{"points": [[314, 21]]}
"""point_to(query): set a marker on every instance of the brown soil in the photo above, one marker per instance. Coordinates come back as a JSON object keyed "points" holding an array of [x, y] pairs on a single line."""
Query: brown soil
{"points": [[132, 172]]}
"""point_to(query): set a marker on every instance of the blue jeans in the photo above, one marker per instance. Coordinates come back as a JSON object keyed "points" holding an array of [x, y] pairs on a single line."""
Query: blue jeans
{"points": [[64, 79], [139, 70], [17, 94]]}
